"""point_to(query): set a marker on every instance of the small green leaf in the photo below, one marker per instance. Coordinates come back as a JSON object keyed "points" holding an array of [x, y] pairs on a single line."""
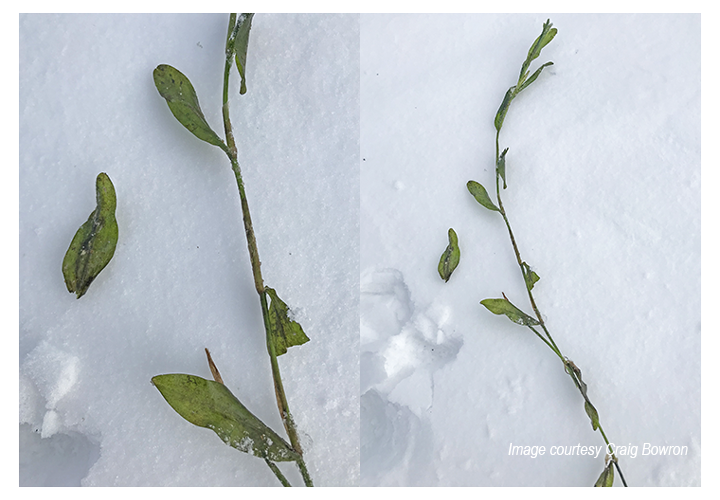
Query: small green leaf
{"points": [[241, 46], [534, 76], [94, 243], [206, 403], [481, 195], [504, 306], [548, 33], [451, 257], [501, 167], [183, 102], [503, 109], [606, 477], [531, 276], [593, 414], [572, 369], [285, 332]]}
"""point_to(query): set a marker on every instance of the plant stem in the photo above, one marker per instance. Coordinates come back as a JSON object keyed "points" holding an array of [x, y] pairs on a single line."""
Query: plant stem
{"points": [[549, 340], [231, 152], [277, 473]]}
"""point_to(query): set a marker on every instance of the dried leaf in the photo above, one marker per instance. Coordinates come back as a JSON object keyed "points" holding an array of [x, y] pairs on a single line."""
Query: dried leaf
{"points": [[582, 386], [93, 245], [213, 369]]}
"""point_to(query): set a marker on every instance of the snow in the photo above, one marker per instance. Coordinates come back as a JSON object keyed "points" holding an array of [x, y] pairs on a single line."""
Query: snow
{"points": [[603, 176], [180, 279], [357, 136]]}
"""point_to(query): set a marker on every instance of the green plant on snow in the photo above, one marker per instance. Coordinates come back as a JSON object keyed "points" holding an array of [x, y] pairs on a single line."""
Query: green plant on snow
{"points": [[208, 403], [503, 306], [93, 245]]}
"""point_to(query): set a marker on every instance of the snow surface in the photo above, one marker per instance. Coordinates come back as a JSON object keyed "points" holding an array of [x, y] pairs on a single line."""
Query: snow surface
{"points": [[603, 195], [180, 279], [357, 137]]}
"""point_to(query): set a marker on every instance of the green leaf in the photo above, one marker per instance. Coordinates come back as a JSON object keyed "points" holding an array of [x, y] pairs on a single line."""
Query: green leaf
{"points": [[451, 257], [94, 243], [183, 102], [534, 76], [241, 46], [530, 276], [548, 33], [503, 109], [206, 403], [606, 477], [285, 332], [593, 414], [481, 195], [572, 368], [504, 306], [501, 167]]}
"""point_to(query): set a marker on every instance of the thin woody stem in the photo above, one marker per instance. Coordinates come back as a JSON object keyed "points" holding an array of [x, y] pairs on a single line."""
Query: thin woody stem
{"points": [[231, 151]]}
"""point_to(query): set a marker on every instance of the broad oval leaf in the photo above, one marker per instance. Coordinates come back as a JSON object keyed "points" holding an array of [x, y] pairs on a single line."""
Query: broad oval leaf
{"points": [[241, 45], [481, 195], [207, 403], [606, 477], [284, 331], [93, 245], [450, 258], [183, 102], [504, 306]]}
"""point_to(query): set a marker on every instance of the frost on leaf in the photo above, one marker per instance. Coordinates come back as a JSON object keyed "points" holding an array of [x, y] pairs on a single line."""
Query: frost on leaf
{"points": [[504, 306], [208, 404], [285, 332]]}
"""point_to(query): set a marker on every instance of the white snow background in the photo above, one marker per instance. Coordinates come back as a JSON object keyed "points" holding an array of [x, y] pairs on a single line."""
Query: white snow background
{"points": [[356, 138], [603, 195], [180, 279]]}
